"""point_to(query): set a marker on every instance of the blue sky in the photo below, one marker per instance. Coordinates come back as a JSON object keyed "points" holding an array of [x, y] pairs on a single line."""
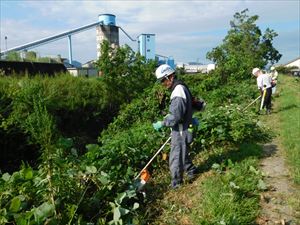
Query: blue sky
{"points": [[185, 30]]}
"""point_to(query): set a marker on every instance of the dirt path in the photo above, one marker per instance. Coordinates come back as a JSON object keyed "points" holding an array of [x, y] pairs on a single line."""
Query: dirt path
{"points": [[274, 202]]}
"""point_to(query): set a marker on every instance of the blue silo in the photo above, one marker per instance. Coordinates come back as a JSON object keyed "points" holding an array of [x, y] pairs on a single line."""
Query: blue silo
{"points": [[107, 30], [107, 19]]}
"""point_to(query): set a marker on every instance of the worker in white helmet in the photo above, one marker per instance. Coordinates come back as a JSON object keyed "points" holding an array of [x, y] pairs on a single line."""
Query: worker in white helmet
{"points": [[264, 84], [274, 75], [179, 119]]}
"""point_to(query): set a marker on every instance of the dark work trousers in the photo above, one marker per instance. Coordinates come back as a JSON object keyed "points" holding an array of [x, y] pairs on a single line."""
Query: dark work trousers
{"points": [[180, 160], [267, 100]]}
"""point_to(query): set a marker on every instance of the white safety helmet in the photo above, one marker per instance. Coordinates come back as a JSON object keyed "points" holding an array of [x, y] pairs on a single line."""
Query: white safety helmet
{"points": [[272, 68], [255, 70], [163, 71]]}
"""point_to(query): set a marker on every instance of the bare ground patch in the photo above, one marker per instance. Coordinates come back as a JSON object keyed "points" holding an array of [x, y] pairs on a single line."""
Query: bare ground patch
{"points": [[276, 201]]}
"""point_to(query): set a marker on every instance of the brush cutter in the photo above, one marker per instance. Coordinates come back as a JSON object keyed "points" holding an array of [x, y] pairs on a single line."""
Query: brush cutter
{"points": [[144, 175], [251, 103], [263, 99]]}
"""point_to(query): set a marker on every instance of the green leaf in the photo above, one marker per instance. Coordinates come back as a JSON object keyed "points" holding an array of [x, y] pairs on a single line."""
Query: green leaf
{"points": [[135, 206], [91, 169], [120, 197], [261, 185], [252, 169], [104, 174], [117, 214], [74, 152], [112, 205], [124, 211], [15, 204], [131, 193], [71, 210], [3, 214], [43, 211], [28, 173], [92, 147], [230, 163], [217, 167], [103, 180], [233, 185], [21, 220], [6, 177], [65, 143]]}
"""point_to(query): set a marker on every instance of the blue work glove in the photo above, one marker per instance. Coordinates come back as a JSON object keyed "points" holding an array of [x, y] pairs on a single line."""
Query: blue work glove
{"points": [[158, 125], [195, 122]]}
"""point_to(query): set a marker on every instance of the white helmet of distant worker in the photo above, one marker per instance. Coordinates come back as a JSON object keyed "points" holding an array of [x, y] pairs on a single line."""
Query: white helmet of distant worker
{"points": [[272, 68], [255, 70], [163, 71]]}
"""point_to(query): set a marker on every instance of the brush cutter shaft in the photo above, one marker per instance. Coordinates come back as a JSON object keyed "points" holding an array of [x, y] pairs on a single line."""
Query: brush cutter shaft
{"points": [[263, 99], [158, 151], [252, 102]]}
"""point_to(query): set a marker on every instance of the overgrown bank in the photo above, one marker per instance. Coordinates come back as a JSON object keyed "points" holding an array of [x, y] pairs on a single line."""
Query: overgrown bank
{"points": [[102, 175], [232, 184], [70, 185]]}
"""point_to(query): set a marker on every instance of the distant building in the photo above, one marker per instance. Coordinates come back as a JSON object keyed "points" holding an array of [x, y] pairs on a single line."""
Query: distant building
{"points": [[83, 72], [180, 65], [210, 67], [75, 64], [146, 44], [194, 67], [295, 62], [87, 69], [89, 64]]}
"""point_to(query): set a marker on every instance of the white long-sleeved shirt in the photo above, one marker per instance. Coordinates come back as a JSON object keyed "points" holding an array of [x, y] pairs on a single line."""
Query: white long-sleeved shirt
{"points": [[263, 81]]}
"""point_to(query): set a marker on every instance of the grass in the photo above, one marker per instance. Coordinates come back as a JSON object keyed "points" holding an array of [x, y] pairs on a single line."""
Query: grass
{"points": [[227, 192], [289, 122], [228, 189], [285, 123], [231, 194]]}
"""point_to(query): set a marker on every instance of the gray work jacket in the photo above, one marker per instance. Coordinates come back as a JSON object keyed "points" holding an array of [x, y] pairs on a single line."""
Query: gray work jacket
{"points": [[180, 109]]}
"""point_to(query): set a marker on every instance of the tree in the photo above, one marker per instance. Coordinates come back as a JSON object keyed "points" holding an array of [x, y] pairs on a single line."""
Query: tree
{"points": [[31, 56], [243, 48], [13, 56], [124, 72]]}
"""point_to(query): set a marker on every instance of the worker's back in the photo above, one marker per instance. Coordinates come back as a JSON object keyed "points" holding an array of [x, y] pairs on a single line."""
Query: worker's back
{"points": [[264, 81]]}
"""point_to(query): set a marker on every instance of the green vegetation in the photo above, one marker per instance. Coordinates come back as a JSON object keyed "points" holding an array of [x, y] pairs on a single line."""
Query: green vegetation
{"points": [[289, 103], [13, 56], [78, 181], [244, 48], [59, 116], [285, 70], [231, 194], [30, 56], [227, 192]]}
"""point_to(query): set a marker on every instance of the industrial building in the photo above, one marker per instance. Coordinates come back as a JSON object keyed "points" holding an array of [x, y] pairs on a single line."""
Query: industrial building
{"points": [[106, 29], [196, 67], [146, 43]]}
